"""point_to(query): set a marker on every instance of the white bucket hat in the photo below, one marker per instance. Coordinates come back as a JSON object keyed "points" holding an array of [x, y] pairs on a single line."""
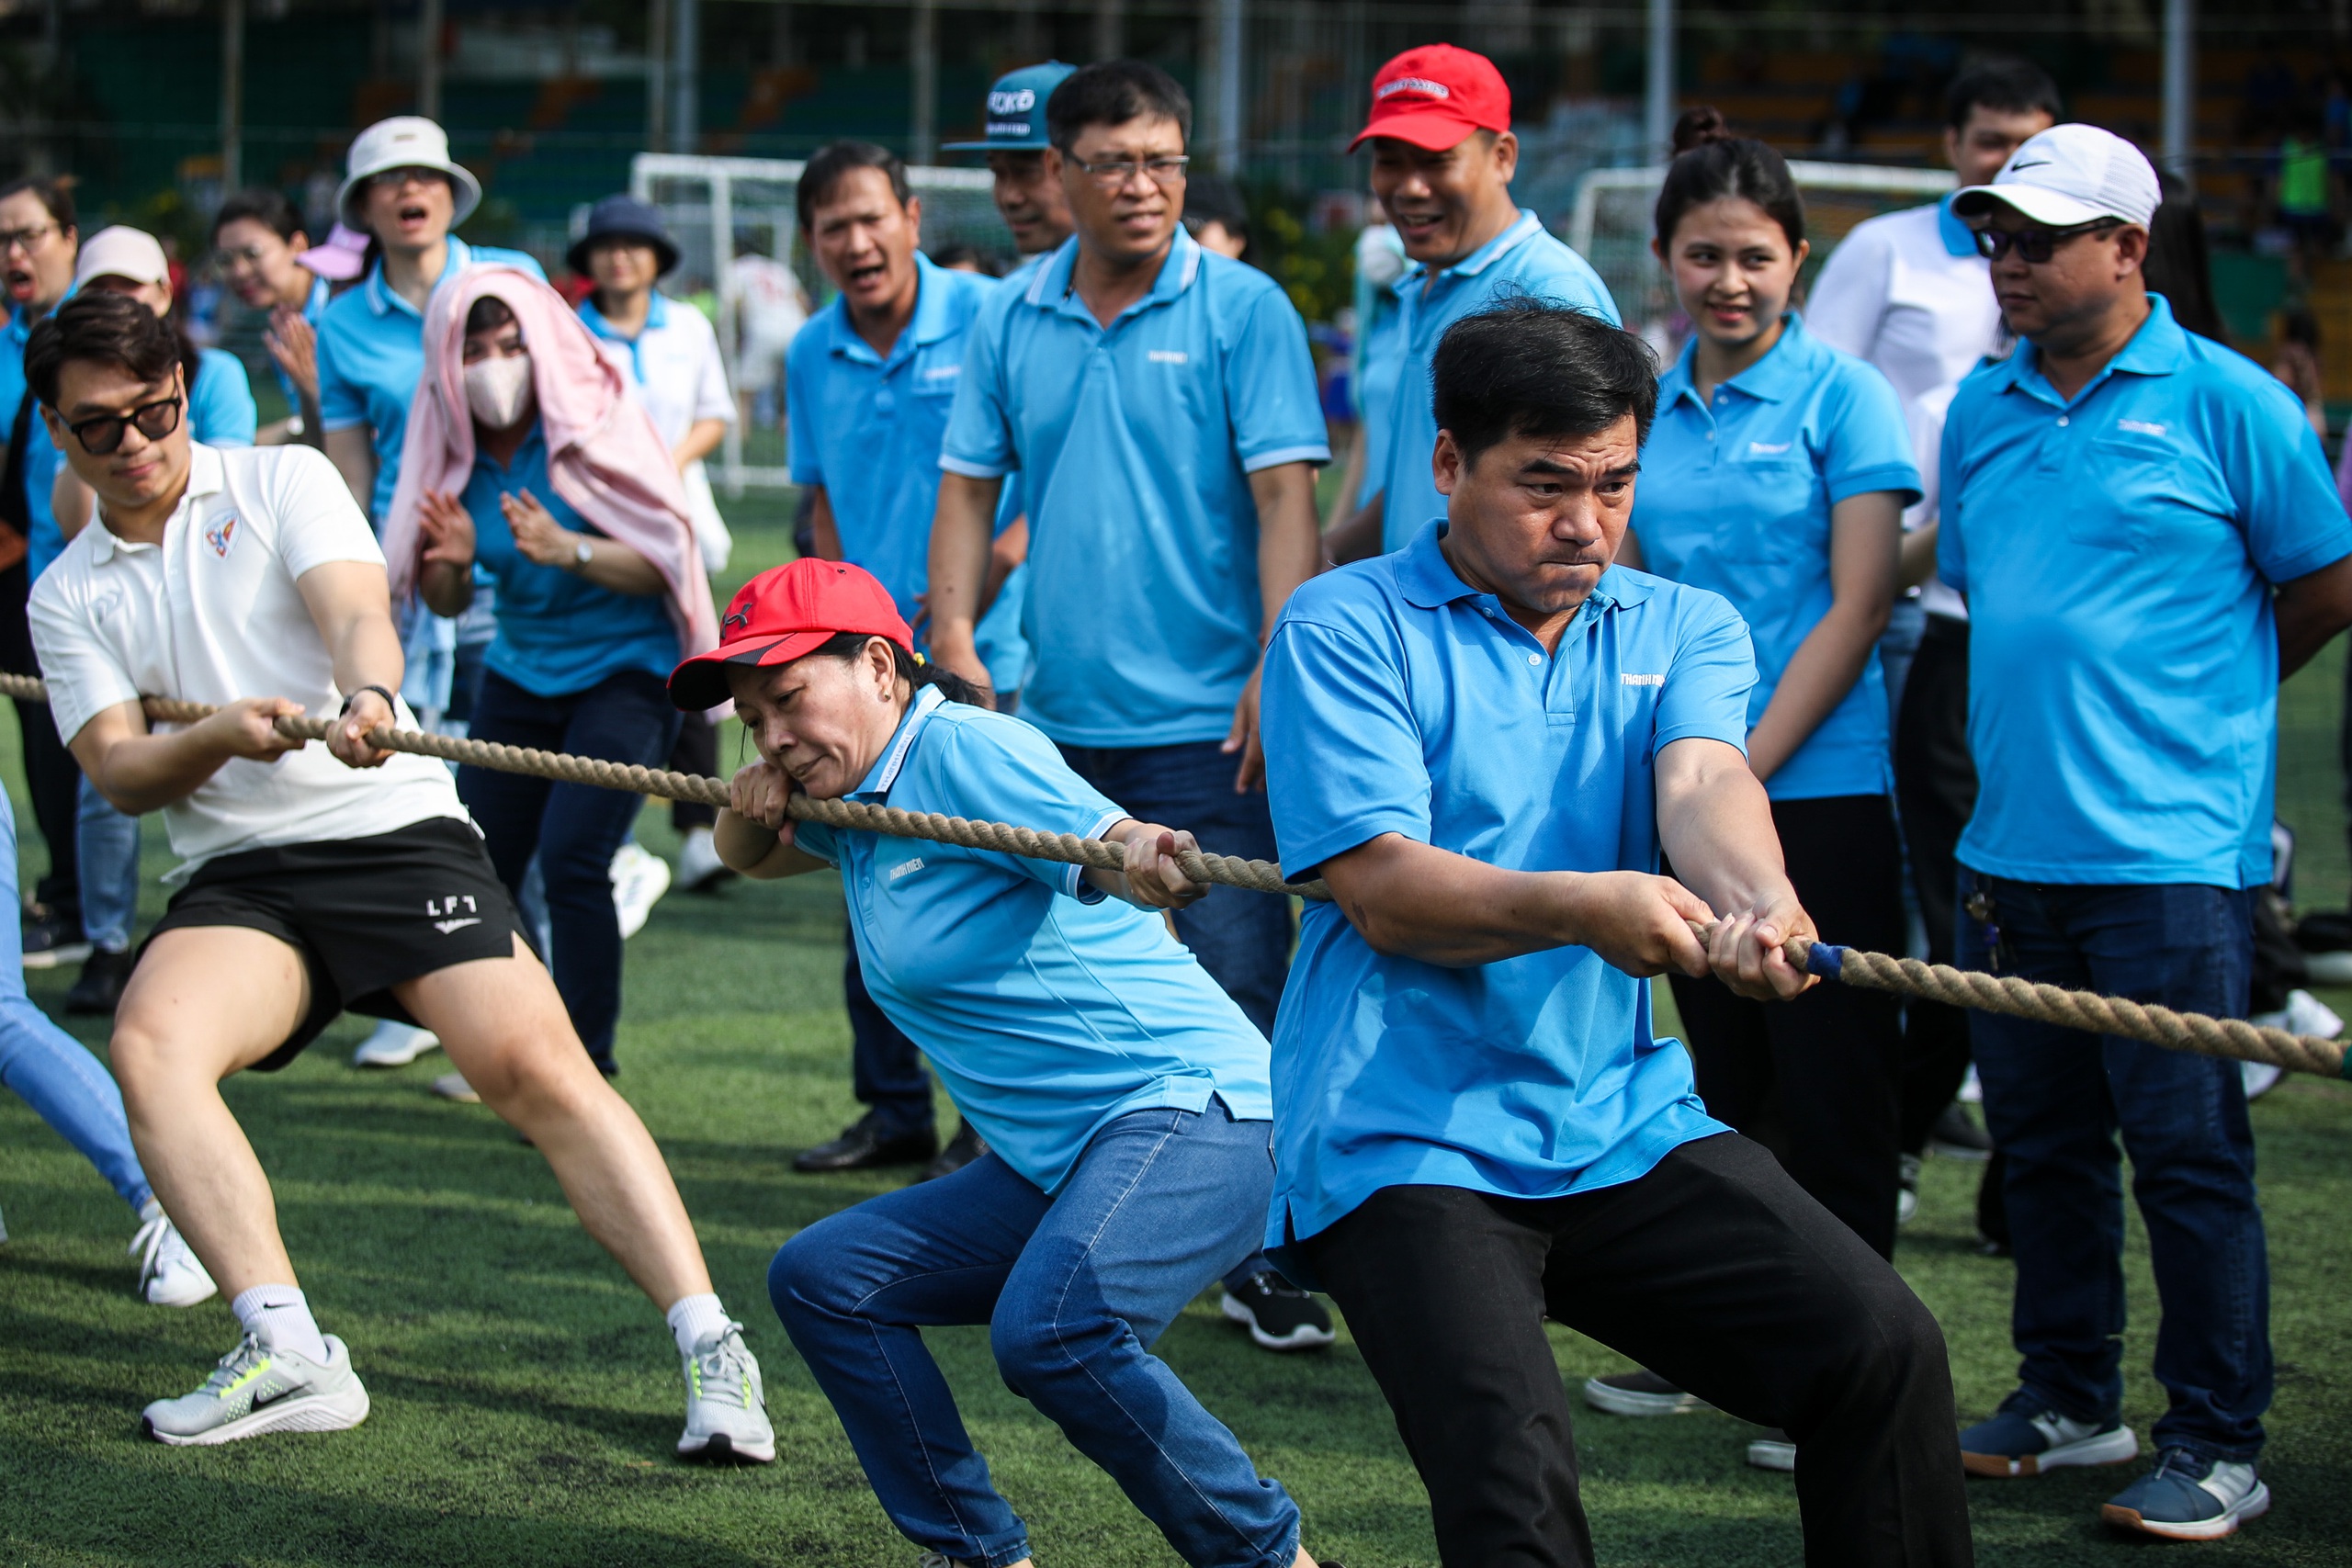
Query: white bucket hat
{"points": [[404, 142], [2069, 175]]}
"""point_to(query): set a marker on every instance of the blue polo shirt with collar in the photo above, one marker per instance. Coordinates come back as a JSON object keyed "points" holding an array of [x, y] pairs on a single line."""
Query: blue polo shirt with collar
{"points": [[1136, 444], [558, 633], [1047, 1009], [1400, 700], [1735, 497], [1524, 259], [2119, 550], [868, 427], [371, 355]]}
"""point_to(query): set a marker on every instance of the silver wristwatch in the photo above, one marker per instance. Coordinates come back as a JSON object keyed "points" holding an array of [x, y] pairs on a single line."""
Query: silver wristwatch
{"points": [[582, 554]]}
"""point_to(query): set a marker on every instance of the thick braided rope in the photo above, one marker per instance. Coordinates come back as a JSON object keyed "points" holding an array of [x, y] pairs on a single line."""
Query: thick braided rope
{"points": [[1877, 971], [2086, 1011]]}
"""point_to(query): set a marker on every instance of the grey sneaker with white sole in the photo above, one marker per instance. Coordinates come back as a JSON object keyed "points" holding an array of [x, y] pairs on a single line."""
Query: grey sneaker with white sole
{"points": [[1642, 1392], [257, 1388], [727, 1407]]}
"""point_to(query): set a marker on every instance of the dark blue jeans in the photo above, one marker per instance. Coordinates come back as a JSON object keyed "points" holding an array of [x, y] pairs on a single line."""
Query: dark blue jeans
{"points": [[1243, 940], [575, 830], [2055, 1099], [1075, 1290]]}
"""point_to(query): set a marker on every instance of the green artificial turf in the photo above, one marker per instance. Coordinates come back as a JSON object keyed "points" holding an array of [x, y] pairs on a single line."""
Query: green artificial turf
{"points": [[526, 1398]]}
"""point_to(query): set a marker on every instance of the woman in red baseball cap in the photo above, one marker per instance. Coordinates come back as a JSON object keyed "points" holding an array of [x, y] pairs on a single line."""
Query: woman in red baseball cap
{"points": [[1124, 1097]]}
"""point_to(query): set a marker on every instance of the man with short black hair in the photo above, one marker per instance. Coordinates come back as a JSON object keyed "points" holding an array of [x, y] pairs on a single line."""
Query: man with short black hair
{"points": [[1160, 404], [870, 383], [1442, 160], [311, 880], [2147, 533], [1480, 742]]}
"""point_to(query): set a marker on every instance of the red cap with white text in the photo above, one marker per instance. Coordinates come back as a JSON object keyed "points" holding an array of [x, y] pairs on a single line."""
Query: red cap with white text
{"points": [[783, 613], [1434, 96]]}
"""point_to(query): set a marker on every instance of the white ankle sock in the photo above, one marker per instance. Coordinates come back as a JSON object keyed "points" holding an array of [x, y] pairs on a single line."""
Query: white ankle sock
{"points": [[694, 1319], [281, 1317]]}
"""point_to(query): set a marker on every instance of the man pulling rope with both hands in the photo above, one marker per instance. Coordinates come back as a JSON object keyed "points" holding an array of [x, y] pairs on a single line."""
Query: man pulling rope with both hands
{"points": [[312, 880]]}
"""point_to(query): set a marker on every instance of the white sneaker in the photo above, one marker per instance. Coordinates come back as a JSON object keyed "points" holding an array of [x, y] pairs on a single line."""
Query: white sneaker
{"points": [[699, 867], [638, 881], [394, 1045], [727, 1408], [453, 1086], [257, 1388], [169, 1274]]}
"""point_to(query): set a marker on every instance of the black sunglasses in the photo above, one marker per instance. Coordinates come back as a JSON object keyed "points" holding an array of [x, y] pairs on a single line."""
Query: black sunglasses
{"points": [[2036, 245], [102, 436]]}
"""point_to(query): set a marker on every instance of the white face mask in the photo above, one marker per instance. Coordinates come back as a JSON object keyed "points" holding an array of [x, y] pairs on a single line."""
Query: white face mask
{"points": [[498, 389]]}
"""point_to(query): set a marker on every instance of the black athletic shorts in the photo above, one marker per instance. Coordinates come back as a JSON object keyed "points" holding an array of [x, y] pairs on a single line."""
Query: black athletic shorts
{"points": [[365, 914]]}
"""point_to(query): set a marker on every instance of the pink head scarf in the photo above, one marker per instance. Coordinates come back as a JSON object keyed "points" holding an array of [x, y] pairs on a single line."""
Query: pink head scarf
{"points": [[604, 455]]}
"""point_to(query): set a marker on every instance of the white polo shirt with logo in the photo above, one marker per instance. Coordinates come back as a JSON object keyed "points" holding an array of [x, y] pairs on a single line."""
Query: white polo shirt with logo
{"points": [[212, 614]]}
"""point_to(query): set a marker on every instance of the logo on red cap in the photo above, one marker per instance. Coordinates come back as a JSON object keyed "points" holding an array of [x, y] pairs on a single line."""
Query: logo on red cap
{"points": [[1435, 96]]}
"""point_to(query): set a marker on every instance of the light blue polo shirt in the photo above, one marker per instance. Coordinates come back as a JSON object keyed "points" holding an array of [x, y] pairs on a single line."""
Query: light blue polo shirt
{"points": [[1399, 700], [2118, 550], [1046, 1008], [12, 369], [558, 633], [1136, 445], [371, 355], [1524, 259], [869, 428], [1735, 497]]}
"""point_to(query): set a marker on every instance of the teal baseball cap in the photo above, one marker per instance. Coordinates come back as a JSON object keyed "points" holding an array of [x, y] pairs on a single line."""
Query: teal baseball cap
{"points": [[1016, 110]]}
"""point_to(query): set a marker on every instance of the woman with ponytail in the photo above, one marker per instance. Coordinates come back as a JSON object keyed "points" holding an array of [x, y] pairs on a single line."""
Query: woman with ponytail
{"points": [[1776, 475], [1123, 1096]]}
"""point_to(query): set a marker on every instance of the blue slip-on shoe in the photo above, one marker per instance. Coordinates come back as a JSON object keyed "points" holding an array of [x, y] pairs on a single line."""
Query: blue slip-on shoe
{"points": [[2025, 1436], [2189, 1497]]}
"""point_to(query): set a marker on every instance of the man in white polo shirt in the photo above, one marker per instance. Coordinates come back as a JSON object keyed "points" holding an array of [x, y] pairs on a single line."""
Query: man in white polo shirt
{"points": [[313, 879], [1908, 293]]}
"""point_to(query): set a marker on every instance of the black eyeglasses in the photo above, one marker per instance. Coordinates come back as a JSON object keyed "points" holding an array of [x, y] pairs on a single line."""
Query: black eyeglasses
{"points": [[103, 436], [2036, 245], [1115, 174]]}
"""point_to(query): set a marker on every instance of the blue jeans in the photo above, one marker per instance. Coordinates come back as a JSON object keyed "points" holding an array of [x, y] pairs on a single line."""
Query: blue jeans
{"points": [[107, 843], [1243, 940], [2056, 1099], [574, 829], [52, 1071], [1074, 1288]]}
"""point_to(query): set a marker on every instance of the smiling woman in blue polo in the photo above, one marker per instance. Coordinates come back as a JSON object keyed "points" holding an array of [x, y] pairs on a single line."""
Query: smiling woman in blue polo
{"points": [[1125, 1098], [1776, 476]]}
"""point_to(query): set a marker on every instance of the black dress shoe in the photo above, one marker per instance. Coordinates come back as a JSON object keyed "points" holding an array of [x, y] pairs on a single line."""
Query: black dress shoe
{"points": [[868, 1143], [962, 1149], [99, 989]]}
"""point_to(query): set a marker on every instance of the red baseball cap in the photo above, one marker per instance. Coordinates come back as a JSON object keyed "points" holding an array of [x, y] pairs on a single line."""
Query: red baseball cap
{"points": [[1434, 96], [783, 613]]}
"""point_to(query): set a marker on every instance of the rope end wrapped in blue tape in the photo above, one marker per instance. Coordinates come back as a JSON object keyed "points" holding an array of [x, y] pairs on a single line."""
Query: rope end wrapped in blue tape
{"points": [[1825, 960]]}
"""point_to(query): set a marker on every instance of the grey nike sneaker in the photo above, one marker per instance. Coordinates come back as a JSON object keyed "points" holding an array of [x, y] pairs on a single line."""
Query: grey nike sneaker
{"points": [[257, 1388], [726, 1406]]}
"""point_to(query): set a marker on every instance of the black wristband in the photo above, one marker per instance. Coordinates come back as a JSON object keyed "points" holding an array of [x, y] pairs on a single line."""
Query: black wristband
{"points": [[392, 703]]}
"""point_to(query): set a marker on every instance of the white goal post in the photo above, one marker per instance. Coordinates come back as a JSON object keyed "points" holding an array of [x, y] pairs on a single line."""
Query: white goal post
{"points": [[1610, 226], [718, 207]]}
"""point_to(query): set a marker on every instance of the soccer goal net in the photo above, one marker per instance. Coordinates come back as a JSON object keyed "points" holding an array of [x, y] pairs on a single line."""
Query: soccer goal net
{"points": [[1610, 226], [740, 249]]}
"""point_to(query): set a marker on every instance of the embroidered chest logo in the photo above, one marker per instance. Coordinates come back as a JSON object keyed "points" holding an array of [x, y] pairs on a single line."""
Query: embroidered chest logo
{"points": [[1631, 679], [221, 536], [905, 868]]}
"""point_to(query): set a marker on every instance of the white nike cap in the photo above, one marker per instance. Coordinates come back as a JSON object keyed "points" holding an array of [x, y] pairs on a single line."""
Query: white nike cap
{"points": [[2069, 175]]}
